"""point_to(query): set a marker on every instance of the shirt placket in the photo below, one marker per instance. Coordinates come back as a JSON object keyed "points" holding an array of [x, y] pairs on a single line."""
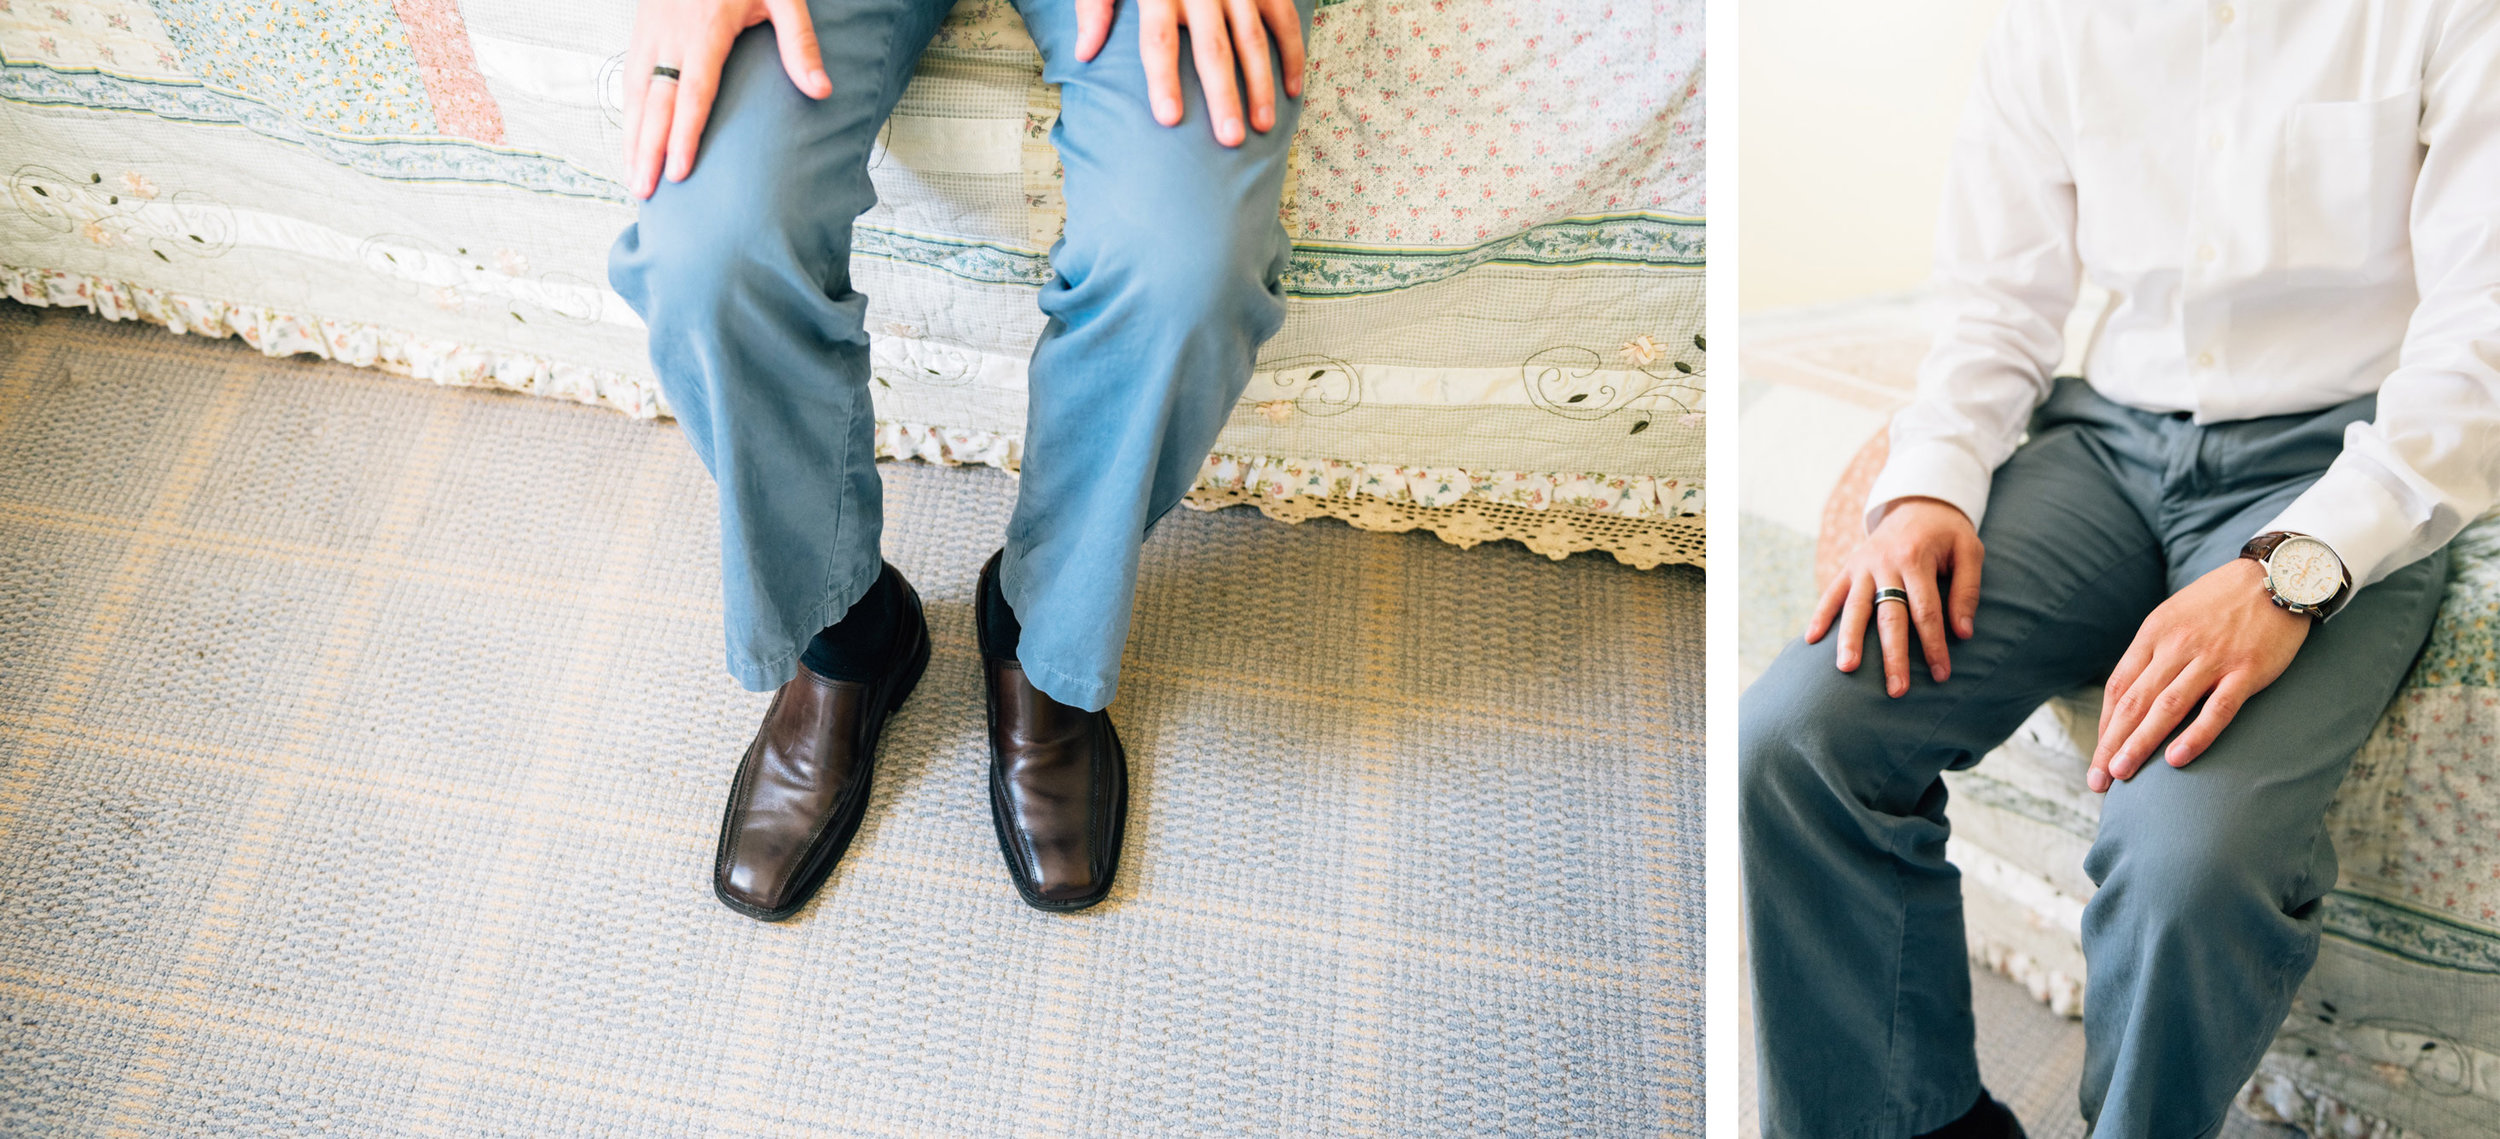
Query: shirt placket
{"points": [[2213, 240]]}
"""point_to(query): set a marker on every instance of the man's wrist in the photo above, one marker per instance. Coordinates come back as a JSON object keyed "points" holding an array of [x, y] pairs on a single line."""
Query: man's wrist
{"points": [[1886, 510], [2300, 573]]}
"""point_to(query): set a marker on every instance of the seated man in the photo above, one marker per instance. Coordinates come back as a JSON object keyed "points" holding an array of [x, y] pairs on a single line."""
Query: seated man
{"points": [[1165, 285], [2237, 516]]}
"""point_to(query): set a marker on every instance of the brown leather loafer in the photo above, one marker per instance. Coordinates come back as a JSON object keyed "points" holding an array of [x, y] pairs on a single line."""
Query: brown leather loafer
{"points": [[803, 786], [1058, 782]]}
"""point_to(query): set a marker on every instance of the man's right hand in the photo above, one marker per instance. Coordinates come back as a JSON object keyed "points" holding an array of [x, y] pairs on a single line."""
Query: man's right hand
{"points": [[1918, 540]]}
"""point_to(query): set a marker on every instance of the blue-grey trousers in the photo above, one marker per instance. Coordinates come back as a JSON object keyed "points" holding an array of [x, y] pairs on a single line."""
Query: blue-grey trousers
{"points": [[2210, 875], [1165, 285]]}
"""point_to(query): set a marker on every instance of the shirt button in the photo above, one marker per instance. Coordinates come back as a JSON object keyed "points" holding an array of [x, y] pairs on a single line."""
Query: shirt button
{"points": [[2224, 14], [2206, 253], [2204, 359], [2213, 141]]}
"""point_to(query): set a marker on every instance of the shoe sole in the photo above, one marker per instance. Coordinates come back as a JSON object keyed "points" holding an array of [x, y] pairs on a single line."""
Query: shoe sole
{"points": [[833, 845]]}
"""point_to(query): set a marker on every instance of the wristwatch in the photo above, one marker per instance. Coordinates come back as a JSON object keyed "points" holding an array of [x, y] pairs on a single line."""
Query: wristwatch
{"points": [[2303, 575]]}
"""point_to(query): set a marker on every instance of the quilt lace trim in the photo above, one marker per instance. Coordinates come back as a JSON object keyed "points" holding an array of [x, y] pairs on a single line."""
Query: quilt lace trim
{"points": [[1642, 543], [1643, 521], [2272, 1097]]}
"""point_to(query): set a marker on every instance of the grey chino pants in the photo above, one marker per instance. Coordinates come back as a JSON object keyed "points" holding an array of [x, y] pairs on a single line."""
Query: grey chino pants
{"points": [[1168, 279], [2210, 875]]}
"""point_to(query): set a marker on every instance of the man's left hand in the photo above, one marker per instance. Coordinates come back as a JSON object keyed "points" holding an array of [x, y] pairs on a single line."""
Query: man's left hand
{"points": [[2221, 640]]}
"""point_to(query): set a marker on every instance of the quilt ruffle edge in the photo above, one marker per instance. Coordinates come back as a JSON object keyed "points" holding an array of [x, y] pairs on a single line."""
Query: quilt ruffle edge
{"points": [[280, 333], [2272, 1097], [1225, 479]]}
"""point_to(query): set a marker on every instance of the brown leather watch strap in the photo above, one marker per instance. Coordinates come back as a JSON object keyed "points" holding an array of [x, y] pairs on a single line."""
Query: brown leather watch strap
{"points": [[2262, 546]]}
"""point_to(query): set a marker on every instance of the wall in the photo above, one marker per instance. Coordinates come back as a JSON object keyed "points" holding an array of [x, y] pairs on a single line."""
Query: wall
{"points": [[1849, 110]]}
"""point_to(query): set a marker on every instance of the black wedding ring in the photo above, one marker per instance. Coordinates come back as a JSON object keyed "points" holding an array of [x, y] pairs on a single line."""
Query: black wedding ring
{"points": [[1890, 594]]}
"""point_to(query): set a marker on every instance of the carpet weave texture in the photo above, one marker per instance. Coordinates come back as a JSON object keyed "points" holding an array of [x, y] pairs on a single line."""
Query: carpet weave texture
{"points": [[362, 745]]}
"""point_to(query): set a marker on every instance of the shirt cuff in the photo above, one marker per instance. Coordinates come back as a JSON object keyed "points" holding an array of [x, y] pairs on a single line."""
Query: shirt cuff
{"points": [[1930, 469], [2355, 516]]}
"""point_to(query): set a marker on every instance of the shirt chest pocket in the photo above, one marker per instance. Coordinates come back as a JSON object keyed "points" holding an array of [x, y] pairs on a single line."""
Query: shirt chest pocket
{"points": [[2347, 180]]}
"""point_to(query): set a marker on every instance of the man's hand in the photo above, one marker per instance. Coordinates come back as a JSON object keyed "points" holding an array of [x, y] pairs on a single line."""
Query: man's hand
{"points": [[1918, 539], [1220, 32], [664, 117], [2220, 640]]}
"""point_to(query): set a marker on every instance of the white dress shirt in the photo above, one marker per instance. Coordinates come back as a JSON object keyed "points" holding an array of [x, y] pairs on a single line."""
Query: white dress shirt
{"points": [[2293, 203]]}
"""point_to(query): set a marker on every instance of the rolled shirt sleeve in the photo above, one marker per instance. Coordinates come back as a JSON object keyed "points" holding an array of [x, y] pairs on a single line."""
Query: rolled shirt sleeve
{"points": [[2429, 462]]}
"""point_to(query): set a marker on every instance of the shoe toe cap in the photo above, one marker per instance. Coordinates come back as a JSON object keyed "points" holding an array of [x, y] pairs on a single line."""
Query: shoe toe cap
{"points": [[753, 885], [1064, 871], [1066, 889]]}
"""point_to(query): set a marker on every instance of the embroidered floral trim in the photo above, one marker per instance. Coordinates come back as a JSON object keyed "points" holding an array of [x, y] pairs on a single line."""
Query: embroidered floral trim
{"points": [[430, 158]]}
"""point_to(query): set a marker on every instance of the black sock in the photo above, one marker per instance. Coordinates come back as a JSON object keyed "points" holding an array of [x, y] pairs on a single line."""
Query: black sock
{"points": [[859, 646], [1986, 1119], [999, 628]]}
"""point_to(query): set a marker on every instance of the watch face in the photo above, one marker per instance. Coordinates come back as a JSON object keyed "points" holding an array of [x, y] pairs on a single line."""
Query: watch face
{"points": [[2304, 571]]}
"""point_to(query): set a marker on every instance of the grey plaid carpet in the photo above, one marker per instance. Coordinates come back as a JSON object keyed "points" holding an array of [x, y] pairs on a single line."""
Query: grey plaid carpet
{"points": [[2031, 1059], [362, 744]]}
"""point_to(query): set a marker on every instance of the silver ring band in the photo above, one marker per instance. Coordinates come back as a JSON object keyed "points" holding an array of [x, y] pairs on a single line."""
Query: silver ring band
{"points": [[664, 71], [1891, 594]]}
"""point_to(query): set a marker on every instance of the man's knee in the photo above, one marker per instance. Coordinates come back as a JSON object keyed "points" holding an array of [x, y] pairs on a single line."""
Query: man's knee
{"points": [[1189, 228], [757, 214], [1795, 741], [715, 243], [2171, 862], [1184, 265]]}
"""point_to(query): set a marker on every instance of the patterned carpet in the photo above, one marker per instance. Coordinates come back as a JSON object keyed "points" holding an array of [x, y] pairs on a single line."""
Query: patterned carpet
{"points": [[362, 744]]}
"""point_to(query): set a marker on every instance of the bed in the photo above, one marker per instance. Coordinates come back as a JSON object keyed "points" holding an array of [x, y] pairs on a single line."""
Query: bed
{"points": [[1496, 297]]}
